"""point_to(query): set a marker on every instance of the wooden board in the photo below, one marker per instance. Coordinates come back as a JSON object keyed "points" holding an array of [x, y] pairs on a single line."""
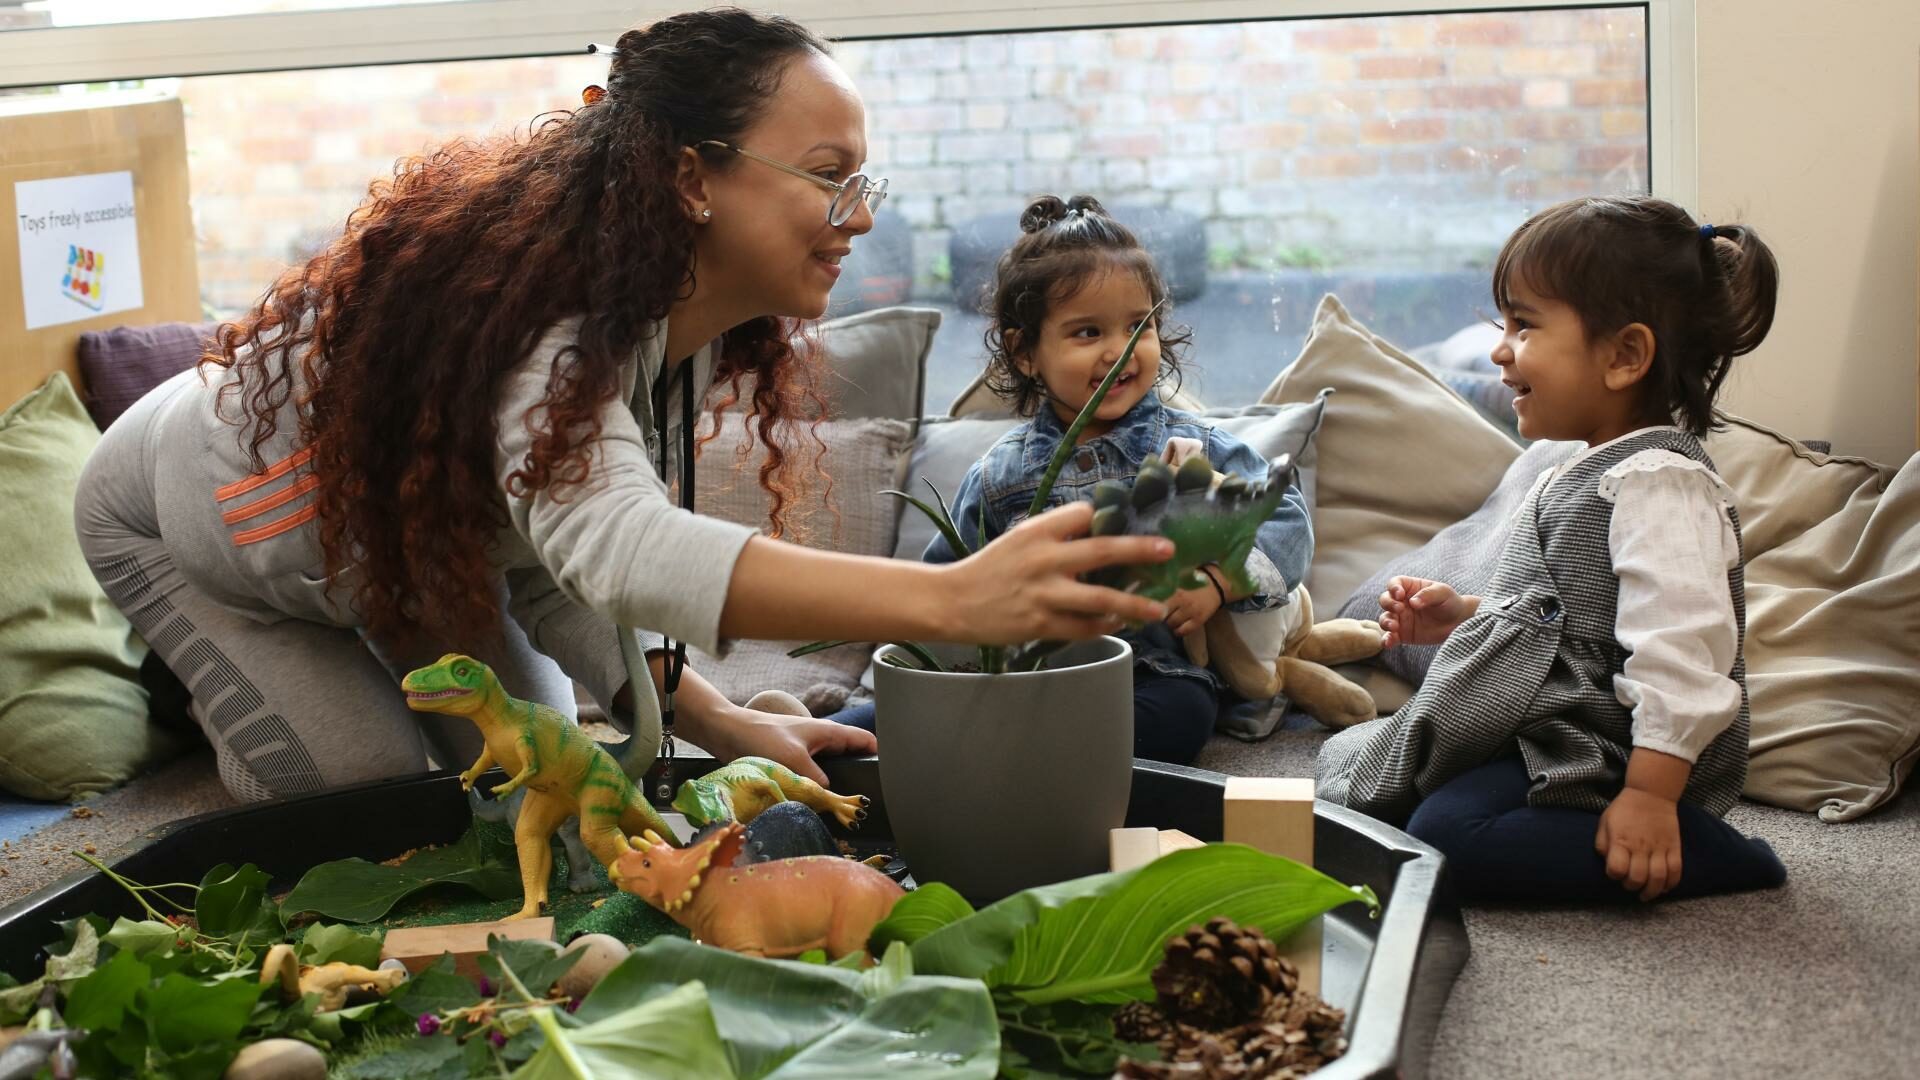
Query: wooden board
{"points": [[48, 136], [419, 946]]}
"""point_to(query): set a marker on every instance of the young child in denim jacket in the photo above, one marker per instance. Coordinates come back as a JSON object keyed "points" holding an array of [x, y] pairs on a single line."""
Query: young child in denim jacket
{"points": [[1065, 299]]}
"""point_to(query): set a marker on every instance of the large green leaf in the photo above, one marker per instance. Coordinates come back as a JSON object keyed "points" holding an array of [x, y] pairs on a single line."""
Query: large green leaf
{"points": [[1098, 938], [918, 914], [355, 890], [233, 904], [186, 1013], [327, 943], [672, 1035], [98, 1001], [787, 1020]]}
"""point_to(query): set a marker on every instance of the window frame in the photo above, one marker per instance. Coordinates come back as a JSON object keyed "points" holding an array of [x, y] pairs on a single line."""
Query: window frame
{"points": [[503, 29]]}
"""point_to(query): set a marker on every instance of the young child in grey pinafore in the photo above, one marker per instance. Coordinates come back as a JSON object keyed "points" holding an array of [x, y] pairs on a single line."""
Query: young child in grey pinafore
{"points": [[1583, 727]]}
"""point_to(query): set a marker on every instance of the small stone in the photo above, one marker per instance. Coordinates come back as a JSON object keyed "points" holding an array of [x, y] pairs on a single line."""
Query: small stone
{"points": [[393, 963], [278, 1059], [599, 954]]}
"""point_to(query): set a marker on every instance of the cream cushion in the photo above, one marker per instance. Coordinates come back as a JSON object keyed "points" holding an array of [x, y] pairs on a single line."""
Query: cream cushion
{"points": [[1833, 620], [1401, 456]]}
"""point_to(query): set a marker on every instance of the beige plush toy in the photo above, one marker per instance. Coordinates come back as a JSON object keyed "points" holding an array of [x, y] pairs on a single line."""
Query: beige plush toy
{"points": [[1283, 651]]}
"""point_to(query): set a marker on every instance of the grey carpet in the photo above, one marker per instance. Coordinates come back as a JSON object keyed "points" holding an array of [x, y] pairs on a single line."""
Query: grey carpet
{"points": [[1819, 978]]}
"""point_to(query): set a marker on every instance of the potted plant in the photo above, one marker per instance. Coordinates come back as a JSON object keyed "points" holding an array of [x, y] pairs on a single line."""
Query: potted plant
{"points": [[1012, 774]]}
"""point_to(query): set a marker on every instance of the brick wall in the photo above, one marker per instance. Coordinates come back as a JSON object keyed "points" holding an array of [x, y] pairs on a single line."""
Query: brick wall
{"points": [[1404, 142]]}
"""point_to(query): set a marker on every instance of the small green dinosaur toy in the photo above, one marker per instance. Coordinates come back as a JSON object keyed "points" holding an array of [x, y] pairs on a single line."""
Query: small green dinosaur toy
{"points": [[1208, 522], [742, 788], [562, 769]]}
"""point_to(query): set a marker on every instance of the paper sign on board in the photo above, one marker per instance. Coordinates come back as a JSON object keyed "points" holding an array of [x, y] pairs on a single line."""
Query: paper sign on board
{"points": [[79, 247]]}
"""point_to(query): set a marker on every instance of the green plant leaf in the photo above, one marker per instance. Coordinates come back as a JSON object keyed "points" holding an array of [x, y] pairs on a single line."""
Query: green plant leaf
{"points": [[98, 1001], [940, 521], [410, 1060], [327, 943], [812, 647], [437, 989], [144, 937], [671, 1035], [791, 1020], [355, 890], [919, 913], [1064, 1038], [1070, 441], [185, 1013], [77, 962], [233, 905], [1098, 938], [534, 963]]}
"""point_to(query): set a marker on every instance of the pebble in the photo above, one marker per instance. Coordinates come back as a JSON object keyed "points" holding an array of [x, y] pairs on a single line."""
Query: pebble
{"points": [[600, 953], [278, 1059]]}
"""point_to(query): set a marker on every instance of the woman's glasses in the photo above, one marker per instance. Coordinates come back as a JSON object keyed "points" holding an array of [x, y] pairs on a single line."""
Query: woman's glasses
{"points": [[847, 194]]}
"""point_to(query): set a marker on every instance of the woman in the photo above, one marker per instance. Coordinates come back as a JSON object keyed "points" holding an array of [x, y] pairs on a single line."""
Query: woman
{"points": [[461, 410]]}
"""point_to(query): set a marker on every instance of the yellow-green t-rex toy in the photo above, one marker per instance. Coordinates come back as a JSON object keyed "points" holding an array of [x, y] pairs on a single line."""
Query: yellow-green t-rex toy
{"points": [[562, 769], [740, 789]]}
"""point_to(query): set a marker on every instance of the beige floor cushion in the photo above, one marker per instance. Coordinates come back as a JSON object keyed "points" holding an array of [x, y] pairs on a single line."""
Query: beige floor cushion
{"points": [[1401, 456], [1833, 620]]}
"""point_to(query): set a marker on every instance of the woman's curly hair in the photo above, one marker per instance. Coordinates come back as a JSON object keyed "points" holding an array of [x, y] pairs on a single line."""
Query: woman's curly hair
{"points": [[407, 326]]}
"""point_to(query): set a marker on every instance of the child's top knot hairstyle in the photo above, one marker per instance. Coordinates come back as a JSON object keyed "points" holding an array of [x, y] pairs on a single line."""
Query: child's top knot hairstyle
{"points": [[1706, 291], [1063, 245]]}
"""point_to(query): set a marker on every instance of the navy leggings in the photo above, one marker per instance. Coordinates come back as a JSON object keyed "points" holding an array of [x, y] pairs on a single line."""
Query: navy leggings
{"points": [[1172, 716], [1498, 848]]}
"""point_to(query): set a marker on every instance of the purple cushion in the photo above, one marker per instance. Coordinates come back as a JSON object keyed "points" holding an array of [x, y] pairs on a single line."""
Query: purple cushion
{"points": [[120, 365]]}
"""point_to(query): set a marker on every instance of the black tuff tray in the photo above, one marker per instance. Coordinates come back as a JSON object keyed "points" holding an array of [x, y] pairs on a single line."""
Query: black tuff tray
{"points": [[1392, 975]]}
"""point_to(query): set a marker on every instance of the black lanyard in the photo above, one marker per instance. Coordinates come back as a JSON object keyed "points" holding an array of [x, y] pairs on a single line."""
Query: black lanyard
{"points": [[676, 650]]}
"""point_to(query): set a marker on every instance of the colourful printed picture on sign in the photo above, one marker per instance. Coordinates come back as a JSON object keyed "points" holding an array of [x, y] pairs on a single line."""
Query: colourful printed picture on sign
{"points": [[85, 267]]}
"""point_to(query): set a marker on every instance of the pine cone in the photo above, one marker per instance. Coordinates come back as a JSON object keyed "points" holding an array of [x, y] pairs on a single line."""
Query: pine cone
{"points": [[1221, 975], [1138, 1022]]}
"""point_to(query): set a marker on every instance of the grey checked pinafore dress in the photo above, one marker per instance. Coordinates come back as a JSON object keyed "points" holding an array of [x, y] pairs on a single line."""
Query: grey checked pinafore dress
{"points": [[1532, 671]]}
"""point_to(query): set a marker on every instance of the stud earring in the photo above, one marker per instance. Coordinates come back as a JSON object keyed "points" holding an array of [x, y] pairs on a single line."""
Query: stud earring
{"points": [[706, 215]]}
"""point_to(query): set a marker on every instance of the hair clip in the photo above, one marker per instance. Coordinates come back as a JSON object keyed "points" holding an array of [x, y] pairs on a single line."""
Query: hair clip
{"points": [[1708, 232], [596, 47], [592, 95]]}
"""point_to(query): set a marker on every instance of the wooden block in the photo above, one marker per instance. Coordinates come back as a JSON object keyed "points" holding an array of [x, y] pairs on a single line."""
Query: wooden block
{"points": [[1275, 815], [1172, 840], [419, 946], [1130, 848]]}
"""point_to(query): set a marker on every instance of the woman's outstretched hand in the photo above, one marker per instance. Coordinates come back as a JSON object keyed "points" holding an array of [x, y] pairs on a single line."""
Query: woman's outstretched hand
{"points": [[1417, 611], [1024, 586]]}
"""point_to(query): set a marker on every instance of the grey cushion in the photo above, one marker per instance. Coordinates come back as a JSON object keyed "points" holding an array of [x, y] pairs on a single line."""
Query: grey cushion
{"points": [[877, 362], [862, 459], [1462, 554]]}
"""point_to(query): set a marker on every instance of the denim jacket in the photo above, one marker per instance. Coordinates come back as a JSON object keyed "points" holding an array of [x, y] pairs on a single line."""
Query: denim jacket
{"points": [[1000, 486]]}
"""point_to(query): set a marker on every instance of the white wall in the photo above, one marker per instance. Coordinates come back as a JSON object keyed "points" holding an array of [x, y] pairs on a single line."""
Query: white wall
{"points": [[1810, 131]]}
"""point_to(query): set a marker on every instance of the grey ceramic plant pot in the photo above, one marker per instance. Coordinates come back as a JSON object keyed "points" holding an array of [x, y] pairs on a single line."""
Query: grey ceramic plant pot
{"points": [[997, 783]]}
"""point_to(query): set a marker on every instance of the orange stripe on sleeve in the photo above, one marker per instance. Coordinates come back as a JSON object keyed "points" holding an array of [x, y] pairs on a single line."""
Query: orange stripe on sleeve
{"points": [[279, 498], [274, 472], [275, 527]]}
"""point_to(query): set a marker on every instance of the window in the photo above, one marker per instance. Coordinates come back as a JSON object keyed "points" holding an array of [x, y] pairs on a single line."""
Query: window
{"points": [[1266, 161]]}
